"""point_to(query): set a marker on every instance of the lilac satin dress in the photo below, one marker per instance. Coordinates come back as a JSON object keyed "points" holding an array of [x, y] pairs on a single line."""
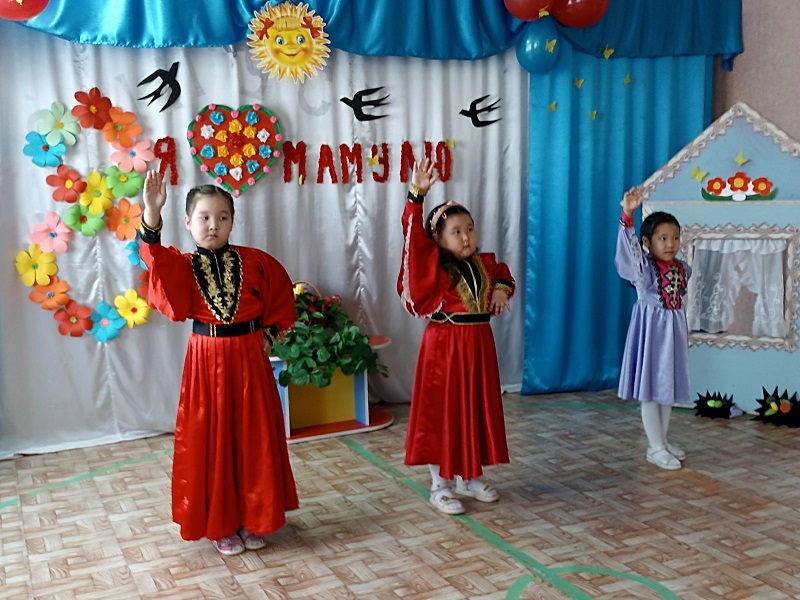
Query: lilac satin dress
{"points": [[655, 364]]}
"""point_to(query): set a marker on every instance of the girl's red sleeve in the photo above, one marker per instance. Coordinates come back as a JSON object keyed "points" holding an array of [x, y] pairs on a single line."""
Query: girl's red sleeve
{"points": [[499, 272], [422, 280], [277, 293], [170, 280]]}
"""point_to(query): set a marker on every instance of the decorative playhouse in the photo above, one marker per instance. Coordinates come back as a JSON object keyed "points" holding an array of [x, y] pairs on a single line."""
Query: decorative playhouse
{"points": [[735, 189]]}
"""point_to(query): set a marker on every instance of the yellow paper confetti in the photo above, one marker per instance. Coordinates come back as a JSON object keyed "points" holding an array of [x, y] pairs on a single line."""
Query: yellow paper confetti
{"points": [[372, 160], [593, 115], [552, 107], [550, 46], [627, 79], [577, 82], [698, 174], [301, 179], [543, 12], [608, 52], [740, 159], [450, 143]]}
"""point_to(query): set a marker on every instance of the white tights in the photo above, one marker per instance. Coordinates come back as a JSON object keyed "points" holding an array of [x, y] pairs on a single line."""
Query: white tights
{"points": [[655, 418]]}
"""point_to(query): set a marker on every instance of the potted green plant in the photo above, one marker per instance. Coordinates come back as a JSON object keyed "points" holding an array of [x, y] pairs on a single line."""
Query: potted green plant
{"points": [[324, 338]]}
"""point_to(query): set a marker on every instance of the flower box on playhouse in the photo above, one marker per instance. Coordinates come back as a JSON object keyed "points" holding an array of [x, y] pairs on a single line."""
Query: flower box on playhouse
{"points": [[321, 366]]}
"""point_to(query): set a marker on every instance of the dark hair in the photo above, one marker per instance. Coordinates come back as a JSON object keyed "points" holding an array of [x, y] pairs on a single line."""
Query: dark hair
{"points": [[206, 190], [653, 220], [446, 258]]}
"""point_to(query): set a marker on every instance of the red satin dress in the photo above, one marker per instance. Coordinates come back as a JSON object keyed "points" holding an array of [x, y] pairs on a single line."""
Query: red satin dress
{"points": [[231, 464], [456, 418]]}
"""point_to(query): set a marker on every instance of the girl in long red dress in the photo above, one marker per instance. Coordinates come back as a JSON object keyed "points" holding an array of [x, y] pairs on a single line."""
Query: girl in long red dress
{"points": [[231, 479], [456, 421]]}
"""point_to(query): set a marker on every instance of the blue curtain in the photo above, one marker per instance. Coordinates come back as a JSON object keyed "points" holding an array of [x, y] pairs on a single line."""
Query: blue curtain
{"points": [[436, 29], [577, 308]]}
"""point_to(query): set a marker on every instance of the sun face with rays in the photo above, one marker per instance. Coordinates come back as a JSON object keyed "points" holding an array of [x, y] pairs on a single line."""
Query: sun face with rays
{"points": [[287, 40]]}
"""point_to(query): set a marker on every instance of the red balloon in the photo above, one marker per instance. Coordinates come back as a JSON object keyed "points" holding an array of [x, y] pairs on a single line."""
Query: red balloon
{"points": [[21, 10], [578, 13], [526, 10]]}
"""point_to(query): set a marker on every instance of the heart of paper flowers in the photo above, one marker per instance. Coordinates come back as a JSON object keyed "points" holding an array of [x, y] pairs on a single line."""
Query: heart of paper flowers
{"points": [[236, 147]]}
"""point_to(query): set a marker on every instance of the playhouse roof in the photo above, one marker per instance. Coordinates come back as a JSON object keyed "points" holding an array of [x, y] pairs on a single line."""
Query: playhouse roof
{"points": [[741, 140]]}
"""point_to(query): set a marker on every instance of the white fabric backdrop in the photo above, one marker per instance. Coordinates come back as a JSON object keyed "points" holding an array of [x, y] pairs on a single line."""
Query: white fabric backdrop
{"points": [[62, 392]]}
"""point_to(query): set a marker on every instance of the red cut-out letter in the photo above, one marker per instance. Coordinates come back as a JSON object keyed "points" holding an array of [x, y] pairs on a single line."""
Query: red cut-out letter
{"points": [[407, 161], [293, 155], [348, 157], [326, 162], [428, 151], [444, 161], [164, 150], [383, 160]]}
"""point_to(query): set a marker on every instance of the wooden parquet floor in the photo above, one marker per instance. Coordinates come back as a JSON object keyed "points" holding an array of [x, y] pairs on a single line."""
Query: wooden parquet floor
{"points": [[582, 515]]}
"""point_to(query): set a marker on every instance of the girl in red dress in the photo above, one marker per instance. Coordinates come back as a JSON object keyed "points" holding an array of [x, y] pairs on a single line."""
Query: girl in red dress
{"points": [[231, 478], [456, 421]]}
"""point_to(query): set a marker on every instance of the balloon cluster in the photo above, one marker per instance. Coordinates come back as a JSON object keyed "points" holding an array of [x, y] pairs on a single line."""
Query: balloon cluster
{"points": [[537, 49]]}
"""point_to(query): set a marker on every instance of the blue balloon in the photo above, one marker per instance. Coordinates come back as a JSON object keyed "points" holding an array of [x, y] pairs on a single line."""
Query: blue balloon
{"points": [[537, 49]]}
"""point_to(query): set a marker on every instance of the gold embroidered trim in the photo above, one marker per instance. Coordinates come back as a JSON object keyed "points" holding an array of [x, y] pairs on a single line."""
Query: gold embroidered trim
{"points": [[221, 296], [502, 286], [473, 304]]}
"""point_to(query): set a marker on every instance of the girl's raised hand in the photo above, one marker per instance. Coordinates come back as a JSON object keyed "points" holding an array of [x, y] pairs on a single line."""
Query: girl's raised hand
{"points": [[631, 200], [422, 176], [155, 192]]}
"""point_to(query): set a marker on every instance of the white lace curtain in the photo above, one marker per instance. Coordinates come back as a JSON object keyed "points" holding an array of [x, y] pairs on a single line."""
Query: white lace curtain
{"points": [[721, 269]]}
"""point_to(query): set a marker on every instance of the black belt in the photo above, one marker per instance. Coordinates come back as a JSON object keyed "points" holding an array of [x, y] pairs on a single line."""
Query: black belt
{"points": [[236, 329], [460, 318]]}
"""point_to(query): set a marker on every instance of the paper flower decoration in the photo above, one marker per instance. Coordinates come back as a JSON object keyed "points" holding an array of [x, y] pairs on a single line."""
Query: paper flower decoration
{"points": [[126, 183], [96, 196], [79, 218], [52, 235], [133, 253], [132, 308], [134, 158], [739, 188], [57, 125], [121, 127], [93, 110], [106, 322], [73, 319], [35, 266], [43, 154], [68, 183], [125, 219], [52, 295], [778, 409], [144, 288]]}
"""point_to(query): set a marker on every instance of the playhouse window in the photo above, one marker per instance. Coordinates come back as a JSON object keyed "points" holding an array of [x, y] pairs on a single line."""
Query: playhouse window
{"points": [[743, 286]]}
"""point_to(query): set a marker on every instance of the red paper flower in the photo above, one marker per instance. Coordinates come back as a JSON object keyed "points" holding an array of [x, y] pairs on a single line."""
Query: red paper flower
{"points": [[52, 295], [715, 186], [68, 184], [73, 320], [122, 127], [762, 186], [125, 219], [93, 110], [739, 182]]}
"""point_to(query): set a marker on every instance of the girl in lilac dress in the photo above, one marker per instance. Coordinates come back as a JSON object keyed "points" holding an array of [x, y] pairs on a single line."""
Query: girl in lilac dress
{"points": [[655, 364]]}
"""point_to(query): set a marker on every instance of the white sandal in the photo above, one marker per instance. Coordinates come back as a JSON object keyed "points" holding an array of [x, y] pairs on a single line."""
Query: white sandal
{"points": [[442, 499], [482, 492], [676, 451], [662, 458]]}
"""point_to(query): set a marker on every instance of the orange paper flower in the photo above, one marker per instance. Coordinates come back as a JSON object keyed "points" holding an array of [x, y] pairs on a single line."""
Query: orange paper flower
{"points": [[122, 127], [68, 184], [52, 295], [125, 219]]}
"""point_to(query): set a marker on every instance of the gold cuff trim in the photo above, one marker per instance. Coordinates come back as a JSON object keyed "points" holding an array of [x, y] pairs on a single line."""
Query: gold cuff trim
{"points": [[417, 191], [157, 229], [503, 287]]}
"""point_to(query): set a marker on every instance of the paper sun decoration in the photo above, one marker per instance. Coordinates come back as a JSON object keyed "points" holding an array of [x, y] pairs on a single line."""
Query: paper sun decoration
{"points": [[236, 147], [287, 40], [92, 199], [739, 188], [778, 410]]}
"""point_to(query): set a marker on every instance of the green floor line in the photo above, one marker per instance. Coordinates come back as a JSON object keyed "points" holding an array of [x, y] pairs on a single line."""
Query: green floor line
{"points": [[83, 477], [547, 574]]}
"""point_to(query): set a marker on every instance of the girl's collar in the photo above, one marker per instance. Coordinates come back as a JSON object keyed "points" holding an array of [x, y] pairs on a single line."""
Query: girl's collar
{"points": [[216, 252]]}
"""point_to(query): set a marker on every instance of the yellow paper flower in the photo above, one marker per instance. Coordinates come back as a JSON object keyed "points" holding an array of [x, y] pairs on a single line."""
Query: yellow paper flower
{"points": [[133, 308], [96, 196], [222, 151], [237, 160], [36, 266], [234, 126], [222, 135], [249, 132], [249, 150]]}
